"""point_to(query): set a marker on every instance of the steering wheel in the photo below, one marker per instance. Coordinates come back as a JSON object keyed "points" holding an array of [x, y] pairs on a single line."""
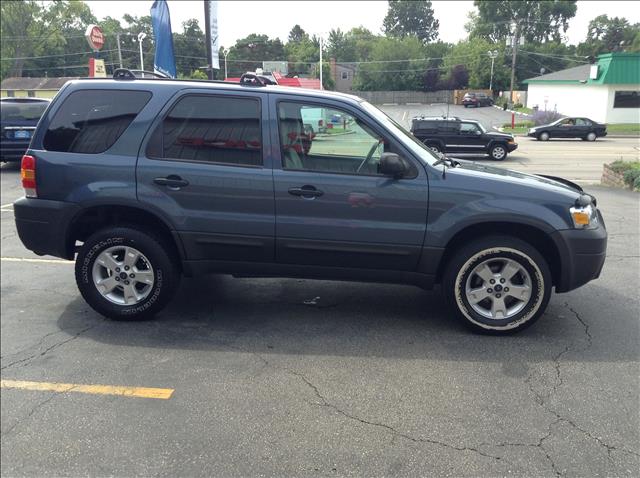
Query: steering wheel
{"points": [[369, 156]]}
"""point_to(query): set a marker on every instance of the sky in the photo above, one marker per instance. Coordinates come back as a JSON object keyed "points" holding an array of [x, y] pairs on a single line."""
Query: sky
{"points": [[237, 19]]}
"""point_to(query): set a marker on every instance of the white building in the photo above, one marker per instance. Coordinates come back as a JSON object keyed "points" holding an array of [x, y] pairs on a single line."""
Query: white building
{"points": [[607, 91]]}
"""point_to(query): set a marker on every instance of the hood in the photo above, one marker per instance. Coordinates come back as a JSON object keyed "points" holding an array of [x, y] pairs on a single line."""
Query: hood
{"points": [[499, 135], [545, 182]]}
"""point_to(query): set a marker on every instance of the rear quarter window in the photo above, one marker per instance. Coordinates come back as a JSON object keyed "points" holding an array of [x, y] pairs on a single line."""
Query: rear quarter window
{"points": [[91, 121]]}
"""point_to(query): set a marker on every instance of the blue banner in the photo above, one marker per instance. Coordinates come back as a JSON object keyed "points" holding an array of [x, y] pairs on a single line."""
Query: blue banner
{"points": [[164, 61]]}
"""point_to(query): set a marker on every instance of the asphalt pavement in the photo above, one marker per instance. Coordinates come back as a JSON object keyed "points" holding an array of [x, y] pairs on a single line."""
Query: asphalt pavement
{"points": [[571, 159], [283, 377]]}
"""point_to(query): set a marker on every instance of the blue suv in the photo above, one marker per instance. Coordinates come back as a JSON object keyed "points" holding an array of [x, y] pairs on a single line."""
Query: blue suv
{"points": [[145, 180]]}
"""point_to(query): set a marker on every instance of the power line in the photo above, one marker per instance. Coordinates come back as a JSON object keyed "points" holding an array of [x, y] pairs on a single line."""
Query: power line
{"points": [[52, 56]]}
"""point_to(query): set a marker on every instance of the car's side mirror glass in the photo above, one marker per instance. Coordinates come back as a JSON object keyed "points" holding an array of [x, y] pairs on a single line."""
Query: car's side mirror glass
{"points": [[478, 133], [393, 165]]}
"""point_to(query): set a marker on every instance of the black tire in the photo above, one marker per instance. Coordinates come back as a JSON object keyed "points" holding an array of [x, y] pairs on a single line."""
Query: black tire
{"points": [[544, 136], [435, 147], [496, 249], [591, 136], [163, 263], [466, 106], [498, 152]]}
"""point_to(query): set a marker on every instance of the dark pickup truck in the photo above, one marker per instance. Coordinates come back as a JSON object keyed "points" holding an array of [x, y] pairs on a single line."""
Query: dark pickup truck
{"points": [[142, 181]]}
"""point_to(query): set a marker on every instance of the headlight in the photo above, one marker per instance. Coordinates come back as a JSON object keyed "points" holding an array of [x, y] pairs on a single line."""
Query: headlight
{"points": [[532, 130], [584, 217]]}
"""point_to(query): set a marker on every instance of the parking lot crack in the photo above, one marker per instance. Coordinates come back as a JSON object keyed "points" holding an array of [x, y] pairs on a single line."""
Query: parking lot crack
{"points": [[325, 403], [33, 410], [26, 361]]}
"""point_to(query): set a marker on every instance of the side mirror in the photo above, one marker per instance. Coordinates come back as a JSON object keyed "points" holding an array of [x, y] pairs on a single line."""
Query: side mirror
{"points": [[393, 165], [478, 133]]}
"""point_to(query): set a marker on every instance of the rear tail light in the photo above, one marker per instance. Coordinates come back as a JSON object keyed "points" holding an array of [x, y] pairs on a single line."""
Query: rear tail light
{"points": [[28, 174]]}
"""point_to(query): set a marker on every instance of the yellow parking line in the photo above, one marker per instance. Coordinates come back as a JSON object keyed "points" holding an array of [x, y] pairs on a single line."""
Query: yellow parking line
{"points": [[138, 392], [46, 261]]}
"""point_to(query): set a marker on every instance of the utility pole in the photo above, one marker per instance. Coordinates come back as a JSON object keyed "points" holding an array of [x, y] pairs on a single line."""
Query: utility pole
{"points": [[207, 31], [321, 87], [514, 50], [493, 54], [119, 51]]}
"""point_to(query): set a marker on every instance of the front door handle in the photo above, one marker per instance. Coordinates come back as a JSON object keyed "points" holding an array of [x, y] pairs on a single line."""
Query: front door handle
{"points": [[307, 192], [172, 181]]}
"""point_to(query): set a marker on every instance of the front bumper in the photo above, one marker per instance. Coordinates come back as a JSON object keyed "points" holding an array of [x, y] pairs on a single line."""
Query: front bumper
{"points": [[582, 255], [43, 225], [512, 146]]}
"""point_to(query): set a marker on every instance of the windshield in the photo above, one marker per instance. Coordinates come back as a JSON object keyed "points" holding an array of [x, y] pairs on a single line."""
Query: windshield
{"points": [[18, 111], [409, 140]]}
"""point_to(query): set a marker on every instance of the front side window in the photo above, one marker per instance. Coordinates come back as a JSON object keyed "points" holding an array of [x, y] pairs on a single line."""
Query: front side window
{"points": [[468, 128], [626, 99], [323, 139], [91, 121], [210, 129]]}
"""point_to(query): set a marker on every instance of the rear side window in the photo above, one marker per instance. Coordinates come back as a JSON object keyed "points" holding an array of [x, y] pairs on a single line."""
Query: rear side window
{"points": [[210, 129], [91, 121]]}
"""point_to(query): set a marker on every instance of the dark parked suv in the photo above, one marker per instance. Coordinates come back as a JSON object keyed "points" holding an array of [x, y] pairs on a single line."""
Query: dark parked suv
{"points": [[476, 99], [19, 117], [453, 135], [144, 180]]}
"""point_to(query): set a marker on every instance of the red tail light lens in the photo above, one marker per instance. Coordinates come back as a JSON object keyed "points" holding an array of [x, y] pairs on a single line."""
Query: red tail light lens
{"points": [[28, 174]]}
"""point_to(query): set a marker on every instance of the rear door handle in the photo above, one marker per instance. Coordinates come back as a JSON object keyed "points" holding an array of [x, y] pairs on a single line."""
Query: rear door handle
{"points": [[308, 192], [172, 181]]}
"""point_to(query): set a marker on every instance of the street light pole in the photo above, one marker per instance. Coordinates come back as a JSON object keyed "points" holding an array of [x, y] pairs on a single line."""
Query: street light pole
{"points": [[141, 36], [226, 53], [493, 54]]}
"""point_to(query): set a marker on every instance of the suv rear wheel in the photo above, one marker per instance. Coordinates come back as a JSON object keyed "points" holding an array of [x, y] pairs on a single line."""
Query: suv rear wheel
{"points": [[498, 284], [124, 273], [498, 152]]}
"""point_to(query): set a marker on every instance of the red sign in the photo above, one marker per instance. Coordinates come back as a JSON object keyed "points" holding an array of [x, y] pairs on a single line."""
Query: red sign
{"points": [[95, 37]]}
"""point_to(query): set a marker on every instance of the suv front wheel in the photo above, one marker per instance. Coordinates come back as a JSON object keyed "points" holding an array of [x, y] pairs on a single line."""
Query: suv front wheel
{"points": [[498, 152], [498, 284], [124, 273]]}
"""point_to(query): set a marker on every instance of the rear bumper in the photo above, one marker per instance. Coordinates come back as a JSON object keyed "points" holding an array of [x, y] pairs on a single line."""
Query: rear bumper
{"points": [[582, 256], [13, 150], [42, 225]]}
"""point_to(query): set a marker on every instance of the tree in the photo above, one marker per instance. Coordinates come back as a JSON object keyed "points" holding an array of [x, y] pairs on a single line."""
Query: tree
{"points": [[537, 21], [248, 53], [190, 49], [458, 78], [297, 34], [411, 18], [395, 64], [609, 34]]}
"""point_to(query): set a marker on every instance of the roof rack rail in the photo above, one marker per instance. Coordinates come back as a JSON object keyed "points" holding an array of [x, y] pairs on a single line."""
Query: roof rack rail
{"points": [[251, 79], [123, 74], [126, 74]]}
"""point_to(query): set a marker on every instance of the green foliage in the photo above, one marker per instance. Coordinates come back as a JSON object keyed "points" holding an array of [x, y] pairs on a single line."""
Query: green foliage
{"points": [[411, 18], [392, 69], [538, 21], [630, 171], [473, 54], [610, 34], [520, 124], [248, 53]]}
